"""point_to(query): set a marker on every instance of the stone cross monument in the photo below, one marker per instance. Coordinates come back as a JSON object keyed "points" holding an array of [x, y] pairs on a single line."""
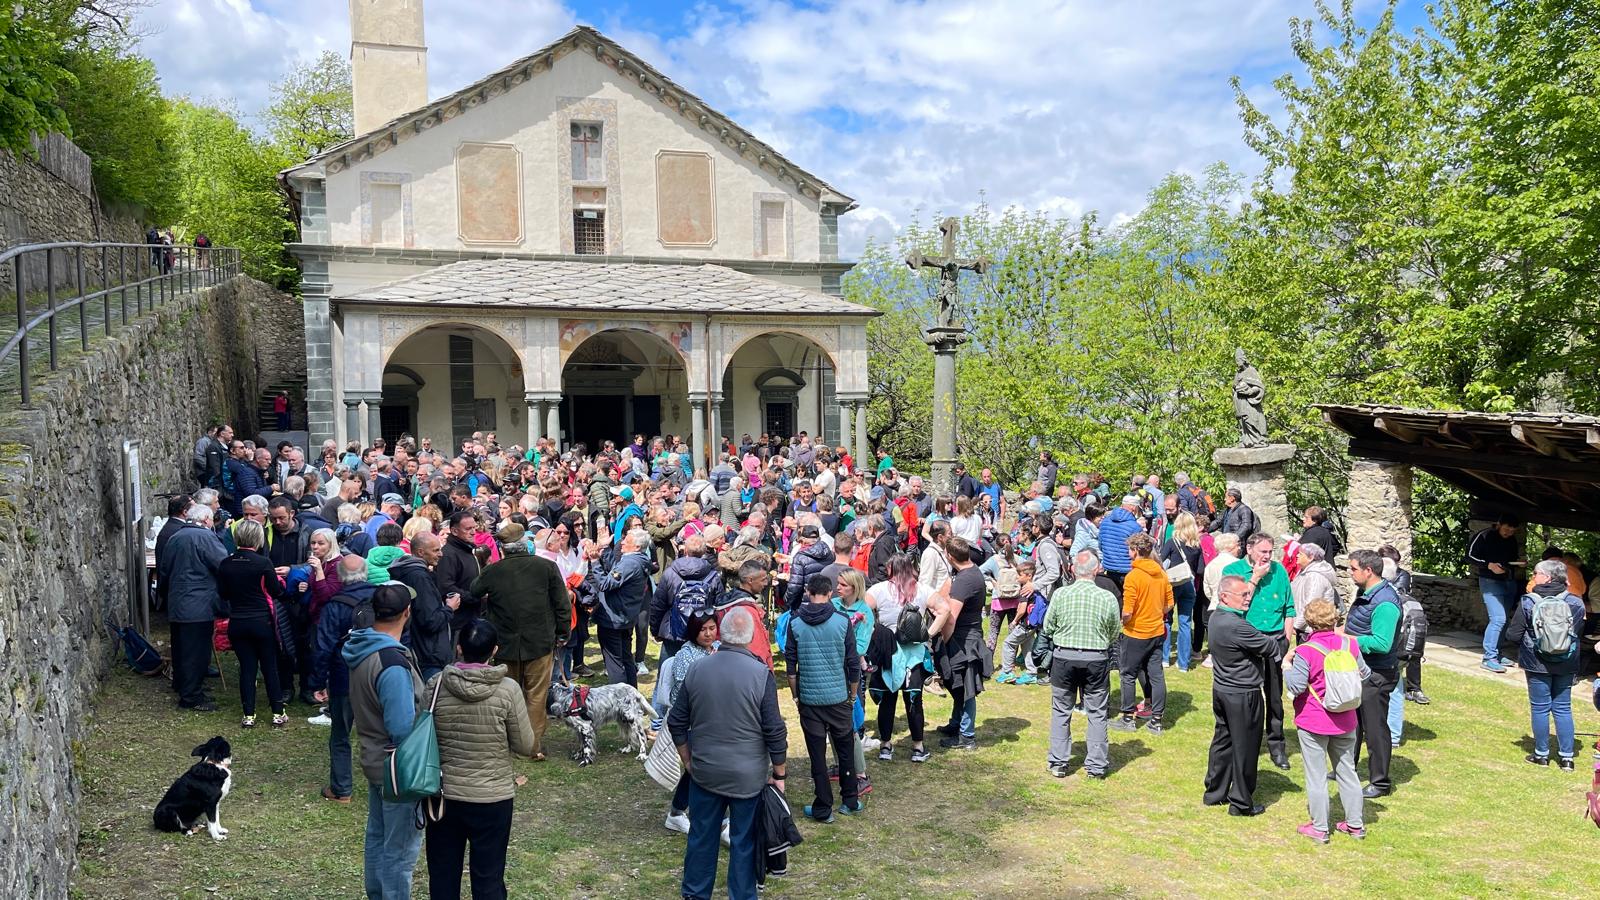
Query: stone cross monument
{"points": [[1255, 466], [945, 336]]}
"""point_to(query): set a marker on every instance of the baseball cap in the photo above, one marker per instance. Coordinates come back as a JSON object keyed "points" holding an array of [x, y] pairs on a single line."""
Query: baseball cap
{"points": [[391, 599], [392, 498], [808, 531], [511, 532], [624, 492]]}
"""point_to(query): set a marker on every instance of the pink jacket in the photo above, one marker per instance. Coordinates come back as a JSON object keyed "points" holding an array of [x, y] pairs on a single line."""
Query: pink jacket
{"points": [[1308, 712]]}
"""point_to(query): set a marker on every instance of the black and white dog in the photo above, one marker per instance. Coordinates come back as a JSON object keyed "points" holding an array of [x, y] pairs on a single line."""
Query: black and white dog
{"points": [[588, 709], [198, 792]]}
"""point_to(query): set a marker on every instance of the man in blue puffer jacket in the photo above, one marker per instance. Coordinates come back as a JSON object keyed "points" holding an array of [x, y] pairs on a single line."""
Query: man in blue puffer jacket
{"points": [[1115, 529]]}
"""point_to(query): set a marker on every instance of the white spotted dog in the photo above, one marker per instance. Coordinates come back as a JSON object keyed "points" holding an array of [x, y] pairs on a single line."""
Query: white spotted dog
{"points": [[586, 710], [198, 792]]}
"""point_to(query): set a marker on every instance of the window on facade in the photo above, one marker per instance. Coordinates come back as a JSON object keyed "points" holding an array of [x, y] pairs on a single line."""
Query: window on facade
{"points": [[586, 162], [589, 231], [388, 220], [773, 241]]}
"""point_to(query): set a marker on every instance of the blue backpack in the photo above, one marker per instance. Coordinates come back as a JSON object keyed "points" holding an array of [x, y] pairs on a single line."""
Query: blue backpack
{"points": [[1036, 612], [692, 597], [142, 657]]}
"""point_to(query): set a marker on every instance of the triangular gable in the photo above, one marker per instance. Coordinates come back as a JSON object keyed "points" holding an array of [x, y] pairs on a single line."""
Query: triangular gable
{"points": [[625, 63]]}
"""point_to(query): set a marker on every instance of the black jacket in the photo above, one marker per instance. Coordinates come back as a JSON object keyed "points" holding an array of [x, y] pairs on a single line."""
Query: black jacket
{"points": [[809, 561], [245, 580], [428, 633], [775, 833], [1323, 537], [683, 569], [454, 573], [1240, 520], [1239, 652], [883, 549]]}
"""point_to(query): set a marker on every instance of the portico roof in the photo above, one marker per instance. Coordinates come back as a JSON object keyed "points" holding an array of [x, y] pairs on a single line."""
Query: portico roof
{"points": [[583, 287]]}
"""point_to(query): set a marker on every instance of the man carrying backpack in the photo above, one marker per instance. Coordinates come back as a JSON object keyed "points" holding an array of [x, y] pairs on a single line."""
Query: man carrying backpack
{"points": [[1374, 621], [690, 585], [1547, 628], [345, 611]]}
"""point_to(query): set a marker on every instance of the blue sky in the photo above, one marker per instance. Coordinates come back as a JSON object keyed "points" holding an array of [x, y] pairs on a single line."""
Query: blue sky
{"points": [[1065, 106]]}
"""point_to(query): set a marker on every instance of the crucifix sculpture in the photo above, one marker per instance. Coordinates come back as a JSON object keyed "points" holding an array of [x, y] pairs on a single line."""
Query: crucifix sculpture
{"points": [[950, 267], [944, 337]]}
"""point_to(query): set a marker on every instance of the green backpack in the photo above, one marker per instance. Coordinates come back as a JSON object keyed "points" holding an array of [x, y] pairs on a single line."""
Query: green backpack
{"points": [[1341, 678], [413, 769]]}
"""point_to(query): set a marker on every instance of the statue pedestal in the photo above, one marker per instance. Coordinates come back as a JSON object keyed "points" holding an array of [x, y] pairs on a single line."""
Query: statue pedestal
{"points": [[944, 340], [1258, 474]]}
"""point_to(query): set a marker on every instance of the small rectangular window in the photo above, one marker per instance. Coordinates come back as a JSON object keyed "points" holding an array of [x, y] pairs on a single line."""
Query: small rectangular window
{"points": [[388, 221], [586, 162], [773, 241], [589, 232]]}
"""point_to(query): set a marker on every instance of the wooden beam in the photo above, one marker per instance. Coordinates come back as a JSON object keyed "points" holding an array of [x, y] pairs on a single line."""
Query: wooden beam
{"points": [[1592, 437], [1540, 442], [1397, 430], [1580, 473]]}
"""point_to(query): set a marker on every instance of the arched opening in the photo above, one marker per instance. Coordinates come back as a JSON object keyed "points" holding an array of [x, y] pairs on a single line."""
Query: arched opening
{"points": [[779, 383], [449, 380], [623, 382]]}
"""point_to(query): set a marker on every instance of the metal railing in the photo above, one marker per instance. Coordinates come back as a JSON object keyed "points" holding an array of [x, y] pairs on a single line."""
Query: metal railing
{"points": [[59, 282]]}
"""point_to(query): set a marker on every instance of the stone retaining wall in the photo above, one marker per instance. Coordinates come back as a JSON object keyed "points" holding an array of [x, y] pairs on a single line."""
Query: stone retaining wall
{"points": [[61, 536], [37, 206]]}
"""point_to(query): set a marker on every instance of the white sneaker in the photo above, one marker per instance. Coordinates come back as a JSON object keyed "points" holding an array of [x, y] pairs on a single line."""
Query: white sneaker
{"points": [[869, 744], [644, 669], [320, 719], [677, 821], [725, 841]]}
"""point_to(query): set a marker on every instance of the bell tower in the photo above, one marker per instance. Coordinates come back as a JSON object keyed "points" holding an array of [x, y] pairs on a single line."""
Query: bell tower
{"points": [[388, 60]]}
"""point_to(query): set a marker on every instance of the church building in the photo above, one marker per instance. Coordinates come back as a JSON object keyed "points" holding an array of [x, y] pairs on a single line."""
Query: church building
{"points": [[573, 246]]}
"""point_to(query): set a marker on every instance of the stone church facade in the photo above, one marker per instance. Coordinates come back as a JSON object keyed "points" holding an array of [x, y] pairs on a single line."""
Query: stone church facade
{"points": [[573, 246]]}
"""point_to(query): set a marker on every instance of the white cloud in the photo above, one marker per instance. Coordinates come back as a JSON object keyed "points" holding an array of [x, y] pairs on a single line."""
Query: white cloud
{"points": [[1062, 105]]}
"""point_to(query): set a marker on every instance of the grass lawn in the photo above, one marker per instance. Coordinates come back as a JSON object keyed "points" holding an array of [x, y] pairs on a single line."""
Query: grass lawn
{"points": [[1469, 817]]}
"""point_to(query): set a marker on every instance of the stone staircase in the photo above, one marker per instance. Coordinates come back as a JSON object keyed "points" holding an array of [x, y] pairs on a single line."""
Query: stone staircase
{"points": [[266, 420]]}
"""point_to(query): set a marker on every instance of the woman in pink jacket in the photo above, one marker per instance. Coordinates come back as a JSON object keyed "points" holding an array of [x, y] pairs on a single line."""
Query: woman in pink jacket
{"points": [[1325, 736]]}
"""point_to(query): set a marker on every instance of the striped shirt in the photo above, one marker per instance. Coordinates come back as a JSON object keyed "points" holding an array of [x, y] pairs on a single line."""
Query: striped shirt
{"points": [[1083, 616]]}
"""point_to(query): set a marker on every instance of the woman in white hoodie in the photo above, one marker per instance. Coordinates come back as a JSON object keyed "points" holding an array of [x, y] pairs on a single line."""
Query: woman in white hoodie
{"points": [[1315, 580]]}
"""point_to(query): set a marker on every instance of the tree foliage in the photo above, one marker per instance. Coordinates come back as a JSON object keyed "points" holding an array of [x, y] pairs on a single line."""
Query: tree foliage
{"points": [[229, 189], [119, 117], [32, 74], [312, 108]]}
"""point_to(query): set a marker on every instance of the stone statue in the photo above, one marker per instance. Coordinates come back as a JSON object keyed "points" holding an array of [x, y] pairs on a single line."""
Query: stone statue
{"points": [[949, 266], [1248, 394]]}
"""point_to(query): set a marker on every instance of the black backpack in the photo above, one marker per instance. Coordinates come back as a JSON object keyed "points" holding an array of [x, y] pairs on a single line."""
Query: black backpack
{"points": [[911, 629], [361, 612], [1413, 628]]}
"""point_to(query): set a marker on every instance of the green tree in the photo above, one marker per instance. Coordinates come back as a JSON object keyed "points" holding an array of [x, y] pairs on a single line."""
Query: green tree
{"points": [[32, 74], [230, 190], [118, 117], [312, 107]]}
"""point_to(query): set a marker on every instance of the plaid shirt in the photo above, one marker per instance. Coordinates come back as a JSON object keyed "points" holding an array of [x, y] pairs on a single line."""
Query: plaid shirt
{"points": [[1083, 616]]}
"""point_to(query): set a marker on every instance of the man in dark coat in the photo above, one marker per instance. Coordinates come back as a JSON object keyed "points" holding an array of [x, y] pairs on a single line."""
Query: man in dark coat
{"points": [[1239, 651], [525, 598], [188, 578], [429, 633], [1236, 518], [457, 567]]}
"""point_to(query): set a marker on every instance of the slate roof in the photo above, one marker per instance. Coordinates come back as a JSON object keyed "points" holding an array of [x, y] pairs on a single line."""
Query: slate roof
{"points": [[604, 287]]}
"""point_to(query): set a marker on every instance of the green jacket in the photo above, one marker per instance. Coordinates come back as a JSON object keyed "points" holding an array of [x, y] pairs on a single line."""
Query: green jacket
{"points": [[378, 561], [481, 718], [526, 600]]}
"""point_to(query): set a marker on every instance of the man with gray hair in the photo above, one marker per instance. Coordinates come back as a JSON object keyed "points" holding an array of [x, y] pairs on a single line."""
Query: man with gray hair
{"points": [[329, 676], [1082, 625], [622, 583], [188, 577], [733, 742], [1547, 630]]}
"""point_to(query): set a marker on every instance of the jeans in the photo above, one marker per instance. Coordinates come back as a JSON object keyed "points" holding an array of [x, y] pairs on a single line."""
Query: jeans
{"points": [[341, 780], [1316, 750], [1551, 696], [393, 843], [1498, 596], [1141, 664], [1076, 674], [706, 811], [1397, 713], [614, 646], [963, 714], [1183, 595], [486, 827], [256, 645]]}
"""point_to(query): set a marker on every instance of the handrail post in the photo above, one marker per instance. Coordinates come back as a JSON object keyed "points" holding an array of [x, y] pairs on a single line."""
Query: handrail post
{"points": [[50, 291], [122, 280], [83, 308], [22, 322], [105, 287]]}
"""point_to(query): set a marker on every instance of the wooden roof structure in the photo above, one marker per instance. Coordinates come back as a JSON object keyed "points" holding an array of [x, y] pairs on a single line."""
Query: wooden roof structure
{"points": [[1543, 467]]}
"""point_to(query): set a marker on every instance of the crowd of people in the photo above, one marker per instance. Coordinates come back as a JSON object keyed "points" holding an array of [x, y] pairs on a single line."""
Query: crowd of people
{"points": [[373, 582]]}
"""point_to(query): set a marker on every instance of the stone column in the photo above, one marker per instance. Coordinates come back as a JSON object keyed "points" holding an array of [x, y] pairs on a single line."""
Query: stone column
{"points": [[844, 423], [945, 342], [697, 415], [375, 421], [1258, 474], [1378, 509], [535, 419], [863, 451], [716, 430], [552, 422], [352, 419]]}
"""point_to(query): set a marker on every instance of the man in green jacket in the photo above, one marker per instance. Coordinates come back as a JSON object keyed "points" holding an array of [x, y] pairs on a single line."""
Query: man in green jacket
{"points": [[1272, 613], [526, 599]]}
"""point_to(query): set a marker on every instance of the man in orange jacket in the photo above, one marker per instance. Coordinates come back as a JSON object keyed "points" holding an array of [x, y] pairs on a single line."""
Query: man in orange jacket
{"points": [[1146, 600]]}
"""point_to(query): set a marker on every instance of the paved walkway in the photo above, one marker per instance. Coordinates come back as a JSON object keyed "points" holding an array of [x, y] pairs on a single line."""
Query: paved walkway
{"points": [[1461, 651]]}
